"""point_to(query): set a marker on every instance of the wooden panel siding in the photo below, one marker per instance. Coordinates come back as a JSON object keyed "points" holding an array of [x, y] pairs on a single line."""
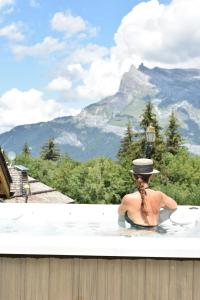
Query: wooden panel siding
{"points": [[5, 177], [4, 186], [90, 278]]}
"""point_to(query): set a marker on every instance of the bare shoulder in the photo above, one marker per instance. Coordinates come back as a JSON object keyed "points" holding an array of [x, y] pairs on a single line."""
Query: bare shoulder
{"points": [[125, 202], [159, 194], [167, 201], [129, 197]]}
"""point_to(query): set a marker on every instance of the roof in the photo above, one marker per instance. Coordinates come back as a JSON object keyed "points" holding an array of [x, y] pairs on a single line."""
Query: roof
{"points": [[5, 178], [21, 168], [4, 167], [37, 191], [16, 185]]}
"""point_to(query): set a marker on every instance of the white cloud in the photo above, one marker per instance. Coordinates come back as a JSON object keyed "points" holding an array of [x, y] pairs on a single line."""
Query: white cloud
{"points": [[101, 80], [12, 32], [25, 107], [153, 33], [76, 64], [68, 138], [157, 34], [89, 54], [60, 84], [71, 25], [5, 3], [90, 72], [72, 111], [47, 46], [76, 71], [99, 72]]}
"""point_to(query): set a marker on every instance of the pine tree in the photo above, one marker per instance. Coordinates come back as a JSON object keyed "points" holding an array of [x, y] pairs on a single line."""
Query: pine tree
{"points": [[50, 151], [174, 139], [126, 143], [129, 146], [26, 150], [150, 118]]}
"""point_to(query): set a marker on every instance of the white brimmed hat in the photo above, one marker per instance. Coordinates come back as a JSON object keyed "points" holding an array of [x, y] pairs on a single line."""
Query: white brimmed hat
{"points": [[143, 166]]}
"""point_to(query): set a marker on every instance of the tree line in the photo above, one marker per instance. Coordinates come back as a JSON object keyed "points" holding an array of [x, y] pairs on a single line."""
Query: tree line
{"points": [[102, 180]]}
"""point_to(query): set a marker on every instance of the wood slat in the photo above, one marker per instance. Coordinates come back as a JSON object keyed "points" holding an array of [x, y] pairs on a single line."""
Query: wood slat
{"points": [[152, 280], [88, 279], [60, 278], [114, 279], [185, 279], [133, 279], [164, 279], [196, 280], [12, 278], [76, 279], [36, 279]]}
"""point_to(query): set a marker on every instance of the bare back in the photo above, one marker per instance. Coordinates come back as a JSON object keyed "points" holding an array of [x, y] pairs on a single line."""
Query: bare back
{"points": [[148, 215]]}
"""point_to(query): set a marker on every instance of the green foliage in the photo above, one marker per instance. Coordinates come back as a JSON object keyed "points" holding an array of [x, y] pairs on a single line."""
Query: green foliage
{"points": [[126, 143], [102, 180], [50, 151], [130, 146], [180, 177], [97, 181], [133, 145], [26, 150], [174, 139], [149, 118]]}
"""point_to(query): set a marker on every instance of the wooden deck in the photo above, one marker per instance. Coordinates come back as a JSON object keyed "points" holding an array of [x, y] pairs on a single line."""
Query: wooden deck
{"points": [[39, 192]]}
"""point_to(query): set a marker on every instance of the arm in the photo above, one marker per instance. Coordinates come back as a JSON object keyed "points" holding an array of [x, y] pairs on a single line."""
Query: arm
{"points": [[121, 212], [168, 202], [124, 205]]}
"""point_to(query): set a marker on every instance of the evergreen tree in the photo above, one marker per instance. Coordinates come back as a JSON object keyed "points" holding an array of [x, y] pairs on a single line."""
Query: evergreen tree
{"points": [[129, 147], [26, 150], [126, 143], [150, 118], [50, 151], [174, 139]]}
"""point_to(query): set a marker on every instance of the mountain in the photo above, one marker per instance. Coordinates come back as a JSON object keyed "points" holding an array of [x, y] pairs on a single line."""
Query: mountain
{"points": [[79, 141], [97, 130]]}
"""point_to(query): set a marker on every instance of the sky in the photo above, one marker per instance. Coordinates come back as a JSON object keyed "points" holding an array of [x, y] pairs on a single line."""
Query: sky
{"points": [[56, 57]]}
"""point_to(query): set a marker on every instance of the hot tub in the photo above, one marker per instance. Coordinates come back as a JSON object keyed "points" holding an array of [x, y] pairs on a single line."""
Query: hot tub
{"points": [[59, 251]]}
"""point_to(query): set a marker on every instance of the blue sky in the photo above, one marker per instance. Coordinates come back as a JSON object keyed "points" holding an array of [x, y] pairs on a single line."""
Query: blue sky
{"points": [[105, 16], [59, 56]]}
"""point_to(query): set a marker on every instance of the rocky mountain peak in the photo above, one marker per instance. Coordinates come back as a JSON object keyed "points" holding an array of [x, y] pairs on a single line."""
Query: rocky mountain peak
{"points": [[98, 128], [133, 79]]}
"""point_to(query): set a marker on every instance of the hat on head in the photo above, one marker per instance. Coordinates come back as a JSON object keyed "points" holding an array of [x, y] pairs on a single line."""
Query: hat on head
{"points": [[143, 166]]}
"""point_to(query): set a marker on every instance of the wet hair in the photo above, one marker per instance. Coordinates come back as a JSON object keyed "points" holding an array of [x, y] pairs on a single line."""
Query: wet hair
{"points": [[141, 179]]}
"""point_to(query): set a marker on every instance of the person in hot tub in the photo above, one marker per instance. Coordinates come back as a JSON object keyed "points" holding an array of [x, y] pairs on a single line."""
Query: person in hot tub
{"points": [[142, 208]]}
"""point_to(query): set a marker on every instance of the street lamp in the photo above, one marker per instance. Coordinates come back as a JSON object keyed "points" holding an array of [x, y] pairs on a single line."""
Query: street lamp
{"points": [[27, 191], [150, 139]]}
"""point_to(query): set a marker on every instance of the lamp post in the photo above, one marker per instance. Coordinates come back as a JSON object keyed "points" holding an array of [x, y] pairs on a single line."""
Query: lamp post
{"points": [[150, 139], [27, 191]]}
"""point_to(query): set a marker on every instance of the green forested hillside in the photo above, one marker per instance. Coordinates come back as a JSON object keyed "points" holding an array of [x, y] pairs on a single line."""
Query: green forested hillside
{"points": [[102, 180]]}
